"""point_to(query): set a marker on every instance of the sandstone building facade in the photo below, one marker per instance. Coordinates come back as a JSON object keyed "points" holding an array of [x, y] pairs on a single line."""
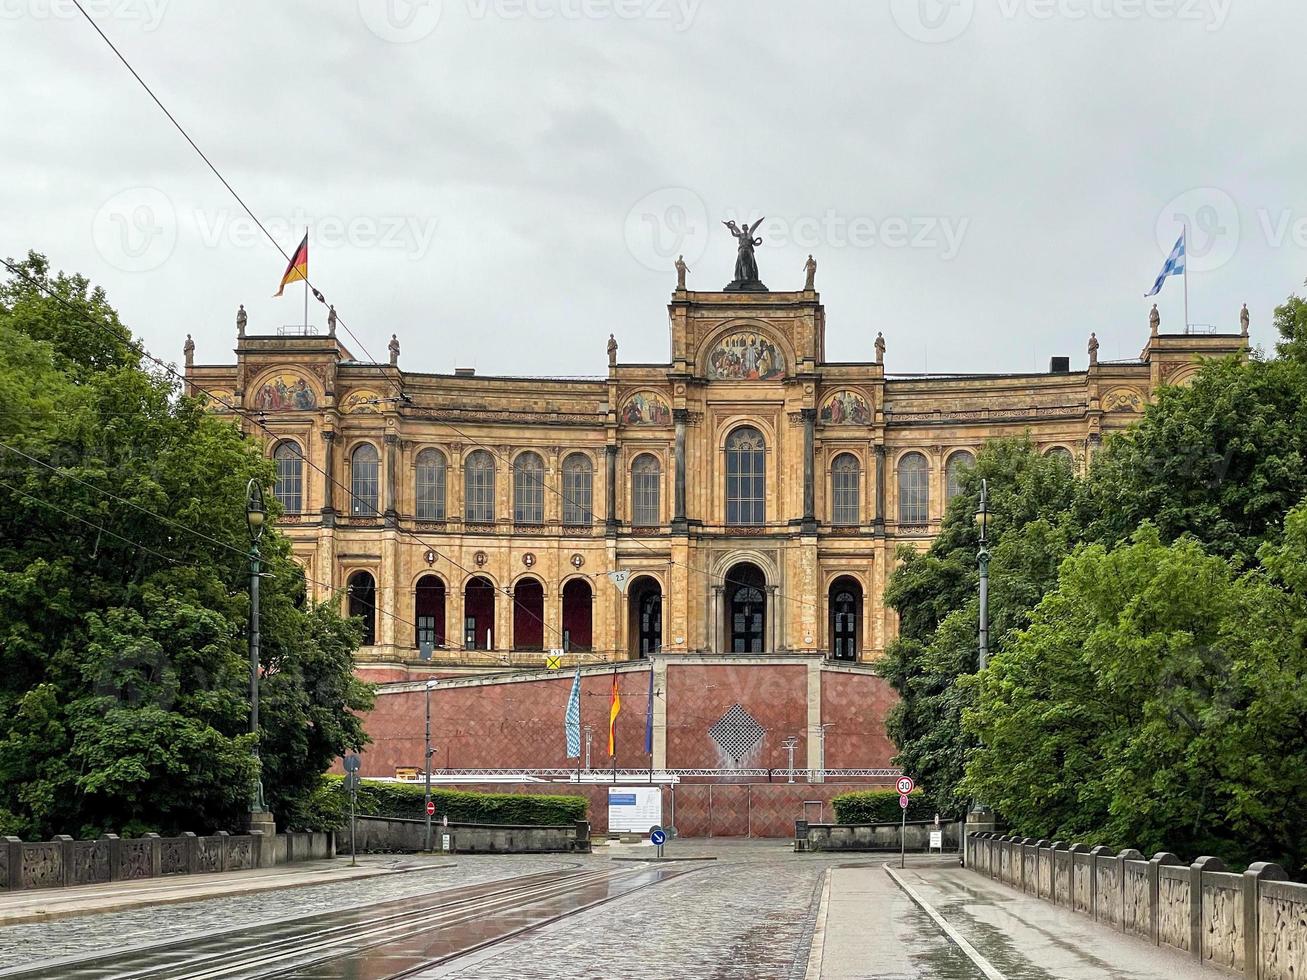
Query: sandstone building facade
{"points": [[747, 496]]}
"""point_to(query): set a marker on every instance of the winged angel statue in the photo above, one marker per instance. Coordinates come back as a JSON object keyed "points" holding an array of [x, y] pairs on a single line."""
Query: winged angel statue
{"points": [[746, 265]]}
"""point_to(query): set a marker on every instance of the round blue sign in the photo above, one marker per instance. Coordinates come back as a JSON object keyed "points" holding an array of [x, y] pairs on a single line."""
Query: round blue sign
{"points": [[658, 837]]}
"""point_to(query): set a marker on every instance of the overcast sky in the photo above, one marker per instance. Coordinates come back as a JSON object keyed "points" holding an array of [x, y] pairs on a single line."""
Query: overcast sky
{"points": [[503, 183]]}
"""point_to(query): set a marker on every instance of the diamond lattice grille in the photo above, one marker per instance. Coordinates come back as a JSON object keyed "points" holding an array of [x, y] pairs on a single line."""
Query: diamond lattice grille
{"points": [[737, 733]]}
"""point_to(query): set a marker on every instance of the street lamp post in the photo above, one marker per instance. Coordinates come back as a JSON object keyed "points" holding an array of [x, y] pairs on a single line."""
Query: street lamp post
{"points": [[255, 515], [979, 814], [426, 765], [790, 744]]}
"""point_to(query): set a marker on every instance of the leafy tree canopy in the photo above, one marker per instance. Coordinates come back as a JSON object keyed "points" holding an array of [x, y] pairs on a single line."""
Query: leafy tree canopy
{"points": [[124, 689]]}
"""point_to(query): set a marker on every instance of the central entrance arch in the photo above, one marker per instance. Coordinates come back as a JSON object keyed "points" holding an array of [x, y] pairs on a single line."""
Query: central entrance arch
{"points": [[645, 614], [745, 591]]}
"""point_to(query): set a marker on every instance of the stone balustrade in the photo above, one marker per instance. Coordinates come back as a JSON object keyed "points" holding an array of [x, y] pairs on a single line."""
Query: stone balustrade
{"points": [[1253, 924], [63, 862]]}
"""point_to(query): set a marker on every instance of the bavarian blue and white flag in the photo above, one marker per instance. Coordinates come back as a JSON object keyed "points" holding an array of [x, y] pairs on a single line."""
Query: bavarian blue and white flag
{"points": [[1174, 266], [572, 719]]}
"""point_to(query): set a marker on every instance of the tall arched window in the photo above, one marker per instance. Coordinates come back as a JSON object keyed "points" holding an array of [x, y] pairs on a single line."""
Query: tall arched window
{"points": [[646, 480], [578, 490], [362, 591], [746, 477], [288, 487], [429, 485], [365, 481], [846, 479], [528, 489], [479, 488], [953, 473], [914, 489]]}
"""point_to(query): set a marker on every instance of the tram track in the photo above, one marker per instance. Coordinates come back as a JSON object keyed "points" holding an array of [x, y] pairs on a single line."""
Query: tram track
{"points": [[390, 940]]}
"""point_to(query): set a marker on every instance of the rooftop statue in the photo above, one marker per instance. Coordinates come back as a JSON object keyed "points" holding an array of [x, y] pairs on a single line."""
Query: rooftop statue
{"points": [[746, 264]]}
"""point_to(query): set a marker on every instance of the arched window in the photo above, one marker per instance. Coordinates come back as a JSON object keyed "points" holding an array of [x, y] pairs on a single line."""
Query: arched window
{"points": [[746, 477], [578, 615], [846, 478], [1062, 455], [429, 613], [365, 481], [479, 614], [644, 600], [288, 487], [746, 608], [429, 485], [362, 591], [845, 599], [479, 488], [914, 489], [578, 490], [528, 489], [646, 480], [953, 473]]}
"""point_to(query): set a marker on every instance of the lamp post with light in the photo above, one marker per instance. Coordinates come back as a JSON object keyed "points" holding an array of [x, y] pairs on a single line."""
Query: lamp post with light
{"points": [[980, 819], [426, 765], [256, 513]]}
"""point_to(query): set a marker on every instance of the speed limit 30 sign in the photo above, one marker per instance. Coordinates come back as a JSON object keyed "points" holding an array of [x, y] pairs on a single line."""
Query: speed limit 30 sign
{"points": [[905, 785]]}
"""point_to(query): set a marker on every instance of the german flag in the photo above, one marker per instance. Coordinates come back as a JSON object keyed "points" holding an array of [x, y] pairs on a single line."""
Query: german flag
{"points": [[298, 270], [614, 709]]}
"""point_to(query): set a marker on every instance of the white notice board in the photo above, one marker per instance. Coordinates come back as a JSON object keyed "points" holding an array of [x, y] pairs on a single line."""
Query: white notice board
{"points": [[634, 809]]}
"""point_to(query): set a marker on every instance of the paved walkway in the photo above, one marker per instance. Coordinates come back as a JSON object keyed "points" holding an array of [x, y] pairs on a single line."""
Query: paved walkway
{"points": [[894, 924], [59, 903]]}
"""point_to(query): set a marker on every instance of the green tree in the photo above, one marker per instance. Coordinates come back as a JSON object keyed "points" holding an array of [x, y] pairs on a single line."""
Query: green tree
{"points": [[1155, 701], [124, 682], [935, 596]]}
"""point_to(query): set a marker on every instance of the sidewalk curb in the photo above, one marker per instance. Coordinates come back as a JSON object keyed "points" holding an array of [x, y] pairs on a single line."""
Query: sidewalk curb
{"points": [[973, 954], [817, 951]]}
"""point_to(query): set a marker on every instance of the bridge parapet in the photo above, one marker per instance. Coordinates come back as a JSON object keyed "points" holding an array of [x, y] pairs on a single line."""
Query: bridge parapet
{"points": [[1253, 924]]}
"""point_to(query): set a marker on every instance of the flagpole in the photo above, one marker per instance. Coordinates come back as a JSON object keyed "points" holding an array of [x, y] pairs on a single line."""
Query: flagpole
{"points": [[306, 285], [1185, 233]]}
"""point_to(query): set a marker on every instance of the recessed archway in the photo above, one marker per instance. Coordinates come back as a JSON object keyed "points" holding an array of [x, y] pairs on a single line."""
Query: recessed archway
{"points": [[528, 615], [578, 613], [479, 614], [845, 622], [744, 590], [644, 599], [429, 613]]}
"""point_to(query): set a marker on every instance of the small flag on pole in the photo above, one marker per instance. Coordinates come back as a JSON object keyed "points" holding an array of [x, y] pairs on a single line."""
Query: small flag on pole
{"points": [[1175, 266], [614, 709], [648, 718], [572, 718], [298, 269]]}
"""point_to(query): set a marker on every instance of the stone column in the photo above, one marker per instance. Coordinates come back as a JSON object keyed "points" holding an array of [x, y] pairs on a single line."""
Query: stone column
{"points": [[610, 457], [392, 499], [809, 479], [773, 620], [329, 477], [715, 624], [880, 492], [678, 517]]}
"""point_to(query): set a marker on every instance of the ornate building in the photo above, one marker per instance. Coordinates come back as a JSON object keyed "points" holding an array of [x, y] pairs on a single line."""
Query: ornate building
{"points": [[747, 496]]}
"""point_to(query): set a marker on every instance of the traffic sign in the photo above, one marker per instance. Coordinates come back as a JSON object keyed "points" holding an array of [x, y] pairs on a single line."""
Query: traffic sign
{"points": [[903, 801], [658, 836], [905, 785], [554, 661], [351, 763], [431, 808]]}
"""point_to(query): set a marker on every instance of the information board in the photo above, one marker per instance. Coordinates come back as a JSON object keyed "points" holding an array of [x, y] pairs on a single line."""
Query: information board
{"points": [[634, 809]]}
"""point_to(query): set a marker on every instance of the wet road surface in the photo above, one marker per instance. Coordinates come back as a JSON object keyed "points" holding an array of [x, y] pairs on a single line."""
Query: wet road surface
{"points": [[383, 940]]}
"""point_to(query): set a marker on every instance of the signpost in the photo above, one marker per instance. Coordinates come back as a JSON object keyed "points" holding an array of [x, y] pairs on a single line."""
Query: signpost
{"points": [[905, 786], [352, 784], [657, 837]]}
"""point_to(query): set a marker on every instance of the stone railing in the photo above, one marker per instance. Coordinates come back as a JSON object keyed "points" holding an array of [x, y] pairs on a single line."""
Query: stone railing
{"points": [[390, 835], [1254, 923], [876, 836], [63, 861]]}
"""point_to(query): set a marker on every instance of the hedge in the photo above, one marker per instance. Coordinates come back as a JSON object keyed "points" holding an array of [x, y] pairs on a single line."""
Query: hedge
{"points": [[880, 806], [376, 799]]}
